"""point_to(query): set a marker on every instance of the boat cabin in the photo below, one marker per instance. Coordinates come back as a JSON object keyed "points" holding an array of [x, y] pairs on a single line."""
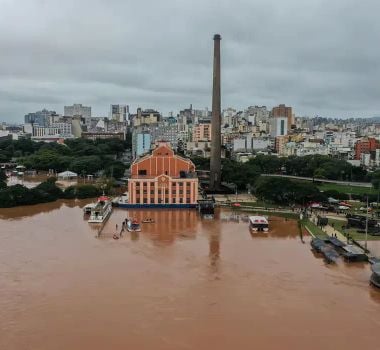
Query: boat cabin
{"points": [[258, 223]]}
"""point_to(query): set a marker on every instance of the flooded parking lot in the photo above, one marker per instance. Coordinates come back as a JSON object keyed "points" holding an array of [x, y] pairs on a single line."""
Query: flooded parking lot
{"points": [[181, 283]]}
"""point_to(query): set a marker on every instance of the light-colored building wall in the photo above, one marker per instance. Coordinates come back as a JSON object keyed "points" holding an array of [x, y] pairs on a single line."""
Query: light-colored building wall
{"points": [[202, 132]]}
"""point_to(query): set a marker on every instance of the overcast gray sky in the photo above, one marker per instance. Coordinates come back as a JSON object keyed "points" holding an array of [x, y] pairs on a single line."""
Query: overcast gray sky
{"points": [[320, 56]]}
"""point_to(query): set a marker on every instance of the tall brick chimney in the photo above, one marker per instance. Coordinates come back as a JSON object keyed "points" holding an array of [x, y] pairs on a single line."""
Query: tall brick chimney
{"points": [[215, 164]]}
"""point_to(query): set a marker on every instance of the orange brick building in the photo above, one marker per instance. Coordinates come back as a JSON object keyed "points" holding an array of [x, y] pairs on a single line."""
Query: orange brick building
{"points": [[163, 179], [366, 145]]}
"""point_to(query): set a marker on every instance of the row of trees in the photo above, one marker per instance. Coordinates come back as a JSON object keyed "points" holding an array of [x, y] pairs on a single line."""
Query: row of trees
{"points": [[309, 166], [283, 190], [79, 155], [45, 192]]}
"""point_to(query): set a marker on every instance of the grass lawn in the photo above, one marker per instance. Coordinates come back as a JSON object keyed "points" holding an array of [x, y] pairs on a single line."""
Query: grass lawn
{"points": [[347, 189], [261, 204], [272, 213], [316, 231], [352, 231]]}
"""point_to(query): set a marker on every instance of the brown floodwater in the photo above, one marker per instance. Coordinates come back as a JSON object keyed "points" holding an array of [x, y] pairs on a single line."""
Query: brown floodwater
{"points": [[181, 283]]}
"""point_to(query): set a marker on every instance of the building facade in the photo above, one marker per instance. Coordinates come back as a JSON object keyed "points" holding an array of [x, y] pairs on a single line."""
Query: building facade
{"points": [[163, 179], [284, 112], [40, 118], [77, 110], [279, 126], [366, 145], [202, 131], [119, 113]]}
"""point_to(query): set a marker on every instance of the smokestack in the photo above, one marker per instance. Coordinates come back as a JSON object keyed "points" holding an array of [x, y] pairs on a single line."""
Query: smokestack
{"points": [[215, 164]]}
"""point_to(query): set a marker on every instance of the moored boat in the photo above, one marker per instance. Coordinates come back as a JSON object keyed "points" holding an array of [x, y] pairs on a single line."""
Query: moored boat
{"points": [[258, 223], [121, 200], [133, 225], [101, 210]]}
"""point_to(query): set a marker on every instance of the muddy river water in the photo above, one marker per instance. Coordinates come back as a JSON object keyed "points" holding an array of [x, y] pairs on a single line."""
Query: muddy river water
{"points": [[182, 283]]}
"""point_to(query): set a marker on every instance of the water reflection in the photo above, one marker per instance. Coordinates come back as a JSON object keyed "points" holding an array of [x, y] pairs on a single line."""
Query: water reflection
{"points": [[168, 225], [279, 227]]}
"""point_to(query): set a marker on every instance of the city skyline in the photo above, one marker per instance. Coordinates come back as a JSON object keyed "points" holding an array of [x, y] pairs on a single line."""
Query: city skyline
{"points": [[308, 56]]}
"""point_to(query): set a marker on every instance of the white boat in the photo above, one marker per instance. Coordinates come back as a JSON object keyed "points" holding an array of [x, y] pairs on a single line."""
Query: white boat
{"points": [[119, 201], [258, 223], [133, 226], [101, 210]]}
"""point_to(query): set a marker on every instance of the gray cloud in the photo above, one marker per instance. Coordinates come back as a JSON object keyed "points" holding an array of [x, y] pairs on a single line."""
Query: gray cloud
{"points": [[319, 56]]}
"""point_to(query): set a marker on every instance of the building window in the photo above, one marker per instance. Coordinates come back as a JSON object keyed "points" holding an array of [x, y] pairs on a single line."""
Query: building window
{"points": [[159, 200], [152, 192], [166, 200], [180, 192], [187, 200], [145, 200], [142, 172], [174, 192], [137, 191], [181, 200], [173, 200], [188, 192], [166, 172]]}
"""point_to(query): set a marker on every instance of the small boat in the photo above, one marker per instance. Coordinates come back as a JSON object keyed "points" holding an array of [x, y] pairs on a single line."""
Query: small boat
{"points": [[258, 223], [121, 200], [148, 221], [133, 226], [101, 210], [329, 252], [375, 277], [353, 253], [318, 244]]}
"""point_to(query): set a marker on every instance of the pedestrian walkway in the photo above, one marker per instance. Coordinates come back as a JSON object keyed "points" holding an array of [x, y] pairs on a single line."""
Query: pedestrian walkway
{"points": [[329, 230]]}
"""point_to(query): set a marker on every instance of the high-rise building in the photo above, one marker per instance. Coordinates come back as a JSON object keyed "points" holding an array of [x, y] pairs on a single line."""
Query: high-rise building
{"points": [[141, 142], [40, 118], [202, 131], [119, 113], [279, 126], [77, 110], [146, 117], [281, 111]]}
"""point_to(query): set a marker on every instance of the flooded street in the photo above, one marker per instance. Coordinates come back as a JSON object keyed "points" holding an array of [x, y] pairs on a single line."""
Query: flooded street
{"points": [[181, 283]]}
